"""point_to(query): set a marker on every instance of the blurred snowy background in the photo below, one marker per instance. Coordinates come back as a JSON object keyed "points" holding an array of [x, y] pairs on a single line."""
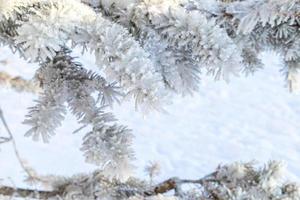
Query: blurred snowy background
{"points": [[253, 118]]}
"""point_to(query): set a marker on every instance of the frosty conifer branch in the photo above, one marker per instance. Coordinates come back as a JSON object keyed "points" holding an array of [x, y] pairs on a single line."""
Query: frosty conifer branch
{"points": [[116, 52], [64, 81], [232, 181], [252, 26], [243, 28], [39, 30], [180, 47]]}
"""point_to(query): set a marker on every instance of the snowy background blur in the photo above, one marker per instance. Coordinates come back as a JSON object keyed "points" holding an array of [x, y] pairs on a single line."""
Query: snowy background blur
{"points": [[251, 118]]}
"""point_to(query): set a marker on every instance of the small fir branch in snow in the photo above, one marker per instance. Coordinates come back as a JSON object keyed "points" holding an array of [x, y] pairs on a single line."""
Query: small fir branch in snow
{"points": [[64, 81], [109, 147]]}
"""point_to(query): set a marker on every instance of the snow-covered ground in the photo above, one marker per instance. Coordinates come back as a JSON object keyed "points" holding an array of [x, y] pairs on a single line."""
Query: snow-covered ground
{"points": [[253, 118]]}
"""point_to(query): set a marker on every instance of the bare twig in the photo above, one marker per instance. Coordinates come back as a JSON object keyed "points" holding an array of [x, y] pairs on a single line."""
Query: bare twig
{"points": [[175, 184], [28, 193], [18, 83], [12, 140], [4, 140]]}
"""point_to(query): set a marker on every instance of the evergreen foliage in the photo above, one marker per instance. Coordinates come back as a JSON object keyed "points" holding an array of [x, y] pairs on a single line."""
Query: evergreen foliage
{"points": [[147, 50]]}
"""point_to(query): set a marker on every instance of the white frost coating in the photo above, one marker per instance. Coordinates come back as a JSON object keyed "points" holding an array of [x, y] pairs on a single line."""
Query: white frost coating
{"points": [[201, 39], [48, 30], [129, 64], [41, 39], [123, 60], [271, 12]]}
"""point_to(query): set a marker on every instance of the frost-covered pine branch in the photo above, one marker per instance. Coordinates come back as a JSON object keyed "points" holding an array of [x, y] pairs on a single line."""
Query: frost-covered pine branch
{"points": [[65, 81], [41, 31], [231, 182], [246, 27], [181, 48]]}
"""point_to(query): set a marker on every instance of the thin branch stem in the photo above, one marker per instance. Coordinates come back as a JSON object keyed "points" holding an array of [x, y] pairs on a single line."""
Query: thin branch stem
{"points": [[28, 193], [175, 184], [13, 141], [4, 140], [18, 83]]}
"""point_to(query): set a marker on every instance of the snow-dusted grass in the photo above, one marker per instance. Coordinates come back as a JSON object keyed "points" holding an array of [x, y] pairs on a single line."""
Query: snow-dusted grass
{"points": [[253, 118]]}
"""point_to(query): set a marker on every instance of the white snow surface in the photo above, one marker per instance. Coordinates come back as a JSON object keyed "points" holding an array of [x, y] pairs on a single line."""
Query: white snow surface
{"points": [[250, 118]]}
